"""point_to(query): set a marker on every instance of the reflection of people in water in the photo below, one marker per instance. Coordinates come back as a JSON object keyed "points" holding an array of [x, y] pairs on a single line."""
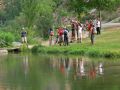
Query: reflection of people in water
{"points": [[92, 72], [67, 66], [25, 64], [79, 69], [62, 66], [100, 68], [74, 69], [82, 69]]}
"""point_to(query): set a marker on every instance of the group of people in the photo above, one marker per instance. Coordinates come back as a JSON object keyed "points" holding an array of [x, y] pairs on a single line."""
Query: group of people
{"points": [[61, 37], [90, 28], [76, 33]]}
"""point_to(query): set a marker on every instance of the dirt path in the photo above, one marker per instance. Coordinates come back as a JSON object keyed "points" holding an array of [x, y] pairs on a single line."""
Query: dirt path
{"points": [[110, 25]]}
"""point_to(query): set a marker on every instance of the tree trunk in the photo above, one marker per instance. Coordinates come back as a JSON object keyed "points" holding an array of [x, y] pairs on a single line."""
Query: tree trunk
{"points": [[100, 17]]}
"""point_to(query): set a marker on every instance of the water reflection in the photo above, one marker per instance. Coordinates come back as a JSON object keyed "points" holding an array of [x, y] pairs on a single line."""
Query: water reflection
{"points": [[29, 72], [25, 65], [81, 68], [100, 68]]}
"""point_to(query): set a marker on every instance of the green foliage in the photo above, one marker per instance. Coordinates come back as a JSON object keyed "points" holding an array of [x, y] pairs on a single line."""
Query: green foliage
{"points": [[24, 48], [81, 6], [38, 48], [29, 9], [40, 15], [6, 39], [12, 9]]}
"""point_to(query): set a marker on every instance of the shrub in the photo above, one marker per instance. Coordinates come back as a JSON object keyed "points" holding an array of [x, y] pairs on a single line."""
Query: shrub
{"points": [[37, 48], [6, 39]]}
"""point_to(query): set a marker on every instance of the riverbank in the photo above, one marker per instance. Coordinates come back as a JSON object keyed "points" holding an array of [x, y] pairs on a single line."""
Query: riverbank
{"points": [[106, 45]]}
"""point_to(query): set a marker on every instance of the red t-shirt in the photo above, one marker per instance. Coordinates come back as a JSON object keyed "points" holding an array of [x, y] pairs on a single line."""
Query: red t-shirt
{"points": [[89, 26], [60, 31]]}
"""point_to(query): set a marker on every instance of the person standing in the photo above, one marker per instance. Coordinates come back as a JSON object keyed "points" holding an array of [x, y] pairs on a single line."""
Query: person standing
{"points": [[51, 34], [98, 26], [24, 36], [80, 33], [92, 34], [60, 33], [65, 37], [89, 27], [57, 37]]}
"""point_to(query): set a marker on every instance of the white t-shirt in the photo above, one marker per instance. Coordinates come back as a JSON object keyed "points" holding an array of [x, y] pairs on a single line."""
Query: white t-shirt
{"points": [[79, 29], [98, 24]]}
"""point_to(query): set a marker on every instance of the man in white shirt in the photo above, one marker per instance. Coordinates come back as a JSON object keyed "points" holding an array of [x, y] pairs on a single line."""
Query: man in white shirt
{"points": [[80, 32], [98, 26]]}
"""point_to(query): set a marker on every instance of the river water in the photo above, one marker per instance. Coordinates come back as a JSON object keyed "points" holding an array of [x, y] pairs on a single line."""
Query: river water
{"points": [[44, 72]]}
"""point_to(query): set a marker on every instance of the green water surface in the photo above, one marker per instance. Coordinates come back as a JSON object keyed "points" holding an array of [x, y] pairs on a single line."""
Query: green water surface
{"points": [[44, 72]]}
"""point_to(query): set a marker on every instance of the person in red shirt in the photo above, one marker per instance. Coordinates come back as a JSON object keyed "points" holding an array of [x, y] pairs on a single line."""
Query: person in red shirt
{"points": [[90, 25], [60, 35]]}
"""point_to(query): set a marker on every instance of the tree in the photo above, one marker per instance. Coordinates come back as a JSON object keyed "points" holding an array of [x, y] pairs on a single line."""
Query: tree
{"points": [[29, 9], [102, 5], [12, 8], [44, 17], [80, 6]]}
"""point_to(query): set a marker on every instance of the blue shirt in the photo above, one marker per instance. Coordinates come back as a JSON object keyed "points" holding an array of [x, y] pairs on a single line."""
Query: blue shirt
{"points": [[23, 34]]}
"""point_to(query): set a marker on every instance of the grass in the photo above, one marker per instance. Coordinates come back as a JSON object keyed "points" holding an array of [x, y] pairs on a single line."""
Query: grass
{"points": [[106, 45]]}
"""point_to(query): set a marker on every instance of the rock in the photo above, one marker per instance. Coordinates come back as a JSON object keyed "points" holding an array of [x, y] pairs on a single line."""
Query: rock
{"points": [[3, 51], [16, 44]]}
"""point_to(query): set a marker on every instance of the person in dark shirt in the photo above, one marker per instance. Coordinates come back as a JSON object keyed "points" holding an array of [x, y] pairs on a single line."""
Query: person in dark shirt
{"points": [[23, 36], [92, 34], [65, 36]]}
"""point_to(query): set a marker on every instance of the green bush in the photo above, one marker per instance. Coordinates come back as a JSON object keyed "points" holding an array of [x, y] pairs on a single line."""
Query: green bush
{"points": [[6, 38], [37, 48], [24, 48]]}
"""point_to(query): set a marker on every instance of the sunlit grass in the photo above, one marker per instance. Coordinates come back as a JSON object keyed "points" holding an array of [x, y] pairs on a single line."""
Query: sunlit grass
{"points": [[106, 45]]}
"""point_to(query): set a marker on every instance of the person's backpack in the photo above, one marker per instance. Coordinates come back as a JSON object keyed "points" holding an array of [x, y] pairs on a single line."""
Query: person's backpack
{"points": [[65, 32]]}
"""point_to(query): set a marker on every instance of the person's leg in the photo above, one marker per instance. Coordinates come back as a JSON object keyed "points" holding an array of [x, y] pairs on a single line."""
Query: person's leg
{"points": [[22, 39], [56, 40], [97, 30], [60, 40], [25, 39], [72, 35], [80, 37], [92, 38], [50, 40], [77, 34], [67, 41]]}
